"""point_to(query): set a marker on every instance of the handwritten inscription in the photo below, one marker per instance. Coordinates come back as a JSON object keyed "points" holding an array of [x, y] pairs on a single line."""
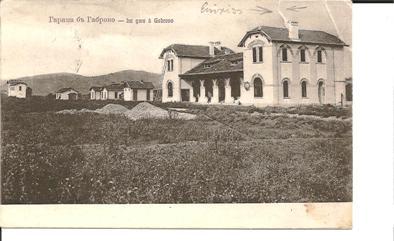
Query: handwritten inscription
{"points": [[261, 10], [206, 8]]}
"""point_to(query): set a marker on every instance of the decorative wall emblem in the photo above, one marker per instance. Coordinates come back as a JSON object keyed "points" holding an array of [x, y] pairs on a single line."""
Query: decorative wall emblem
{"points": [[247, 85]]}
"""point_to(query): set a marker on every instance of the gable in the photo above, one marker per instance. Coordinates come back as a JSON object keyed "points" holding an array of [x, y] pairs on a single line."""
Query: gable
{"points": [[305, 36]]}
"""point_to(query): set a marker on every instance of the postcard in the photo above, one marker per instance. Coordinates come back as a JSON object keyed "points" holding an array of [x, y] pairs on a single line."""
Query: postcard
{"points": [[176, 114]]}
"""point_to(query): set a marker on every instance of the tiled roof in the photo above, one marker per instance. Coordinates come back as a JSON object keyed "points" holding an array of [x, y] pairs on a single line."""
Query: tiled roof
{"points": [[16, 82], [62, 90], [194, 51], [96, 88], [139, 85], [218, 64], [306, 36], [114, 87]]}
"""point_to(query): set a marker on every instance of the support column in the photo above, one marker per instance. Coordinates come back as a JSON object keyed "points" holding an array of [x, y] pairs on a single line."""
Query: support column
{"points": [[227, 95], [202, 98], [215, 95]]}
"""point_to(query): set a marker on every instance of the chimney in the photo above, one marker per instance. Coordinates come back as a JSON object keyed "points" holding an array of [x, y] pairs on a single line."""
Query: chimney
{"points": [[212, 46], [293, 30]]}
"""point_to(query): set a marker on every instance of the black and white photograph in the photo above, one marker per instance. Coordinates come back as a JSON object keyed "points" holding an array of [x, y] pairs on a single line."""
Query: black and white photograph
{"points": [[177, 102]]}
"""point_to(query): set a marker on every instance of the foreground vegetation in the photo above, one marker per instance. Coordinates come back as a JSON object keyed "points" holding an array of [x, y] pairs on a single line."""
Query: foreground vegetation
{"points": [[227, 154]]}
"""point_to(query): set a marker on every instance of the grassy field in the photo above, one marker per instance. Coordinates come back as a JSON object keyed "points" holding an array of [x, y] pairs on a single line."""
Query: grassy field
{"points": [[228, 154]]}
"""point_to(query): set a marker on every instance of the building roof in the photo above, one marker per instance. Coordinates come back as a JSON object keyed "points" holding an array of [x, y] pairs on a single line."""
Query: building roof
{"points": [[114, 87], [96, 88], [15, 82], [306, 36], [135, 84], [218, 64], [62, 90], [194, 51]]}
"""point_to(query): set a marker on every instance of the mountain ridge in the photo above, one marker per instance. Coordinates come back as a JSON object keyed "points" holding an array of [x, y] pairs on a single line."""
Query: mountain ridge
{"points": [[44, 84]]}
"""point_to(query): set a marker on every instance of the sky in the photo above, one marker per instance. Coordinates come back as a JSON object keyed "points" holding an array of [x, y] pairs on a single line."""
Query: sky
{"points": [[32, 45]]}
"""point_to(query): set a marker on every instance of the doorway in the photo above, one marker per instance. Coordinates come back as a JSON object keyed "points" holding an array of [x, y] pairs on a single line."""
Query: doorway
{"points": [[185, 94], [321, 92]]}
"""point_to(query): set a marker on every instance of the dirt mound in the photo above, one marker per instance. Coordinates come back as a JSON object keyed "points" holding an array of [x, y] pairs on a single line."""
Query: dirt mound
{"points": [[145, 110], [112, 109], [72, 111]]}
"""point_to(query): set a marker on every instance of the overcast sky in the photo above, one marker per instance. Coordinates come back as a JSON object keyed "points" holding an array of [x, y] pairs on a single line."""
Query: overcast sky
{"points": [[31, 45]]}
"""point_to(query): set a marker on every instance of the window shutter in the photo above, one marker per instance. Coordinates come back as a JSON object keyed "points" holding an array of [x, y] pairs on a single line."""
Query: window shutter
{"points": [[254, 55], [319, 57], [284, 54], [260, 53], [302, 55]]}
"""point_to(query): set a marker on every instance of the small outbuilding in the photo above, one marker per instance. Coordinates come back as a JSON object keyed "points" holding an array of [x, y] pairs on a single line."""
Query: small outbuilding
{"points": [[138, 91], [112, 92], [67, 94], [96, 92], [18, 89]]}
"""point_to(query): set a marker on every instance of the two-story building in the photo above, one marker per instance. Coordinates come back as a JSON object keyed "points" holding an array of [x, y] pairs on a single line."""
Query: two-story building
{"points": [[277, 66]]}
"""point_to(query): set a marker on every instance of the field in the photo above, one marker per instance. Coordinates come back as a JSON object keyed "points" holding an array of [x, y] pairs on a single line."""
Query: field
{"points": [[227, 154]]}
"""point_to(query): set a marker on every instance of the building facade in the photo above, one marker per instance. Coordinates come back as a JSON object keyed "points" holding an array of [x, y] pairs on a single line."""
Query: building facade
{"points": [[127, 91], [112, 92], [18, 89], [277, 66], [67, 94], [138, 91], [95, 92]]}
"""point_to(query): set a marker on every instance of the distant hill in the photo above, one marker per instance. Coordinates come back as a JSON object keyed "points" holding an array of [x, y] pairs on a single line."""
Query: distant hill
{"points": [[50, 83]]}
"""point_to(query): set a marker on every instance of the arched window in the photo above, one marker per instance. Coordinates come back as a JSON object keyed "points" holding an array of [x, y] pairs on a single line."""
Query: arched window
{"points": [[303, 89], [169, 88], [303, 53], [320, 55], [285, 53], [258, 87], [285, 89]]}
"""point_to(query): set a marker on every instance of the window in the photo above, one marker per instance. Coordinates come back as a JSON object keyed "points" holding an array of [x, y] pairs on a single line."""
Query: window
{"points": [[285, 89], [257, 54], [169, 88], [284, 54], [170, 65], [116, 95], [303, 89], [258, 87], [147, 94], [319, 56], [302, 55], [20, 88]]}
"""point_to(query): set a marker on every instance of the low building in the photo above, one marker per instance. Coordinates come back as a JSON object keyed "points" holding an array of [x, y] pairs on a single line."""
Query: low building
{"points": [[112, 92], [18, 89], [138, 91], [67, 94], [96, 92]]}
